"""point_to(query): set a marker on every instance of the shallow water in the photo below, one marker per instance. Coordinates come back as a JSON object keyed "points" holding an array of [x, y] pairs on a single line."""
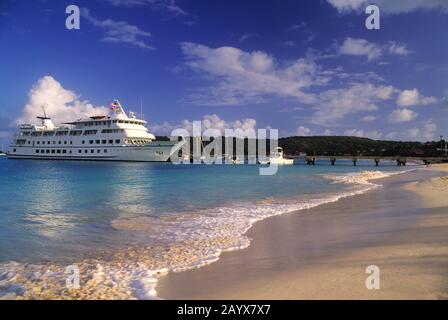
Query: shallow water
{"points": [[135, 218]]}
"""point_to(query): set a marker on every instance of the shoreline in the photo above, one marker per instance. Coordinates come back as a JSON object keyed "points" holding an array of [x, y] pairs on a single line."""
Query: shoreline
{"points": [[283, 264], [287, 241], [134, 272]]}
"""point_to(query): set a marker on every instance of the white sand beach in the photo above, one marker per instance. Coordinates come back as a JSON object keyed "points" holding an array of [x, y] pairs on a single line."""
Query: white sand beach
{"points": [[323, 253]]}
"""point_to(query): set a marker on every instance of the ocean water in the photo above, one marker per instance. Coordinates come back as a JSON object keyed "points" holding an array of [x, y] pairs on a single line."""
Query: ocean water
{"points": [[126, 224]]}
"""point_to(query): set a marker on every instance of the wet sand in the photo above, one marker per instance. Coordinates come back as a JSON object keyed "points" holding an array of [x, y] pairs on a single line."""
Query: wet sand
{"points": [[323, 253]]}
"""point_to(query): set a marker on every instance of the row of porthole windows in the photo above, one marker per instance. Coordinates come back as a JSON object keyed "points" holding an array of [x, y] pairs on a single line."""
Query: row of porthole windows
{"points": [[117, 141], [59, 151], [53, 151], [49, 142], [92, 151]]}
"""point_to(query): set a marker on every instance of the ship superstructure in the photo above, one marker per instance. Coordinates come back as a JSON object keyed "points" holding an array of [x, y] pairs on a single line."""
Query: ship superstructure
{"points": [[116, 136]]}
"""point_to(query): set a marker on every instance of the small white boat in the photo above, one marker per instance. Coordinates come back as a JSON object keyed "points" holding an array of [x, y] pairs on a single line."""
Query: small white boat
{"points": [[277, 158], [235, 160]]}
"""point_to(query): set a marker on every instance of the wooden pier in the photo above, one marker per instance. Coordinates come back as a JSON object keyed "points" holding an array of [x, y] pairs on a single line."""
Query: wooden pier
{"points": [[400, 161]]}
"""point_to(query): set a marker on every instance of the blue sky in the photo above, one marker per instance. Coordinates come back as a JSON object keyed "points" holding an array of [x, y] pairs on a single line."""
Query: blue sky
{"points": [[304, 67]]}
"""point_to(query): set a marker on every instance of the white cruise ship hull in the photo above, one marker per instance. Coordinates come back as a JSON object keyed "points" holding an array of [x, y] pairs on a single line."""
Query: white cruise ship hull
{"points": [[151, 152]]}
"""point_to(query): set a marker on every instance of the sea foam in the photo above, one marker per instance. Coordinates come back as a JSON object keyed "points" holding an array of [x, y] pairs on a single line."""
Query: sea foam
{"points": [[179, 242]]}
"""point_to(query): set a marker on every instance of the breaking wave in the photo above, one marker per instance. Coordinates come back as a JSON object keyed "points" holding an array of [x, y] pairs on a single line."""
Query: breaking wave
{"points": [[178, 242]]}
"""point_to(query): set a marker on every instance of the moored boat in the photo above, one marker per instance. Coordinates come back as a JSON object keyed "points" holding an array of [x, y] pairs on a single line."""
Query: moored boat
{"points": [[114, 137]]}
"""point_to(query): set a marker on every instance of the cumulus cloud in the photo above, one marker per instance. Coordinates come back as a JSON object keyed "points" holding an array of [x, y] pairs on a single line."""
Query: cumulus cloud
{"points": [[390, 6], [61, 104], [402, 115], [303, 131], [240, 77], [211, 121], [360, 47], [118, 31], [426, 132], [413, 97], [335, 104], [237, 77]]}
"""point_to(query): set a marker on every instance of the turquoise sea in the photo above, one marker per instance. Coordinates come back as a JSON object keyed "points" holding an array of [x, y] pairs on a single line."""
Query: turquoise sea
{"points": [[61, 213]]}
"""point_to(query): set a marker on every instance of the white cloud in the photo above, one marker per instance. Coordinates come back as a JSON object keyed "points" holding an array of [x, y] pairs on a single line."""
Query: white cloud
{"points": [[376, 135], [369, 118], [61, 104], [307, 34], [303, 131], [119, 31], [310, 35], [237, 77], [413, 97], [364, 134], [168, 5], [346, 5], [426, 132], [211, 121], [299, 26], [246, 36], [360, 47], [371, 50], [402, 115], [335, 104], [398, 49], [390, 6], [241, 77]]}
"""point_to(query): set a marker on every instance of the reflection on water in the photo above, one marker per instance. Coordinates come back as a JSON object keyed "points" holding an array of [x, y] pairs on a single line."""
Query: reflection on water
{"points": [[125, 223], [51, 226], [58, 210]]}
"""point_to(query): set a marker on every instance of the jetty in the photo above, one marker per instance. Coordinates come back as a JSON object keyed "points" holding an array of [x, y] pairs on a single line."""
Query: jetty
{"points": [[400, 161]]}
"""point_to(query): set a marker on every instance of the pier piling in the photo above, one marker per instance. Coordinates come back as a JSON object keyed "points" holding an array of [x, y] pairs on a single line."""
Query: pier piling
{"points": [[400, 160], [311, 161]]}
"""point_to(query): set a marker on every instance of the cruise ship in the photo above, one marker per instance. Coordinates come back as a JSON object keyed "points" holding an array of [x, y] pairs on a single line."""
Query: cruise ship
{"points": [[113, 137]]}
